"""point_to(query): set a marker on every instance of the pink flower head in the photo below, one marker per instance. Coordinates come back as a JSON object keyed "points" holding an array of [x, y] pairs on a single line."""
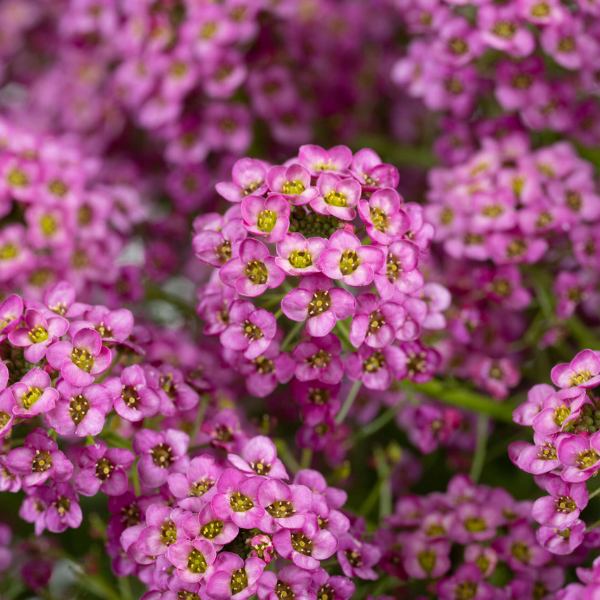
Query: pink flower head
{"points": [[11, 315], [160, 454], [375, 323], [562, 507], [103, 469], [426, 558], [318, 160], [337, 197], [38, 334], [541, 456], [231, 577], [384, 218], [199, 481], [237, 499], [467, 576], [299, 256], [268, 218], [191, 559], [357, 559], [80, 360], [563, 541], [259, 457], [319, 359], [369, 171], [133, 398], [502, 28], [559, 410], [286, 506], [317, 300], [164, 526], [207, 525], [253, 272], [112, 325], [400, 270], [376, 368], [39, 460], [289, 577], [63, 510], [348, 260], [582, 372], [251, 329], [34, 394], [580, 457], [323, 583], [216, 246], [7, 406], [306, 546], [293, 183]]}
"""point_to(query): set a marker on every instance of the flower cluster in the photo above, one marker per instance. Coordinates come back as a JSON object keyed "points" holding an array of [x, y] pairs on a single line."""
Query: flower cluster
{"points": [[539, 60], [566, 449], [63, 216], [461, 541]]}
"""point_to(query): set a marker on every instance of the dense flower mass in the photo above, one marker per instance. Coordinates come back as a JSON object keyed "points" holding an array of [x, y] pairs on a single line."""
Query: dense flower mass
{"points": [[281, 283]]}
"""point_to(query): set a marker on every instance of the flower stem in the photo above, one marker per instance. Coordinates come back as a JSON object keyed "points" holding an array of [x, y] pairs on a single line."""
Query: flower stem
{"points": [[592, 526], [291, 335], [116, 359], [286, 456], [200, 417], [480, 448], [594, 493], [374, 426], [306, 458], [350, 398], [136, 479]]}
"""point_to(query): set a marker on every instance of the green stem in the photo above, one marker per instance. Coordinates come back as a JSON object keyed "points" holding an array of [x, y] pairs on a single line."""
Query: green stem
{"points": [[374, 426], [306, 458], [278, 314], [341, 329], [286, 456], [451, 394], [592, 526], [116, 359], [291, 335], [385, 488], [594, 493], [153, 292], [136, 480], [350, 398], [480, 448], [200, 416]]}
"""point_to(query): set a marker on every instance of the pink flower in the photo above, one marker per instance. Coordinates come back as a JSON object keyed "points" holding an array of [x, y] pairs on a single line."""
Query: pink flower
{"points": [[268, 217], [337, 197], [293, 183], [384, 218], [38, 334]]}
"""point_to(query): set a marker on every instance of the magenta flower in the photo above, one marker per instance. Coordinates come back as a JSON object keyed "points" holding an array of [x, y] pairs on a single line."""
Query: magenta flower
{"points": [[251, 329], [192, 559], [316, 399], [306, 546], [286, 506], [133, 398], [383, 217], [526, 412], [369, 171], [299, 256], [268, 218], [80, 360], [160, 454], [249, 179], [520, 549], [293, 183], [580, 456], [468, 576], [39, 460], [112, 325], [199, 481], [502, 28], [583, 371], [7, 406], [563, 541], [317, 300], [559, 410], [11, 315], [561, 509], [426, 558], [291, 579], [216, 241], [60, 299], [80, 410], [34, 394], [474, 523], [399, 270], [375, 323], [237, 499], [164, 526], [541, 456], [337, 197], [103, 469], [38, 334], [232, 577], [253, 272], [319, 358], [207, 525], [323, 583], [357, 559], [63, 510], [169, 383], [318, 160], [348, 260], [259, 456], [376, 367]]}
